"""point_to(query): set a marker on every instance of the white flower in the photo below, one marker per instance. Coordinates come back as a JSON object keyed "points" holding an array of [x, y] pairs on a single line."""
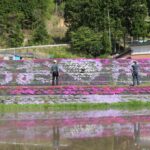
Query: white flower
{"points": [[8, 78], [73, 67], [25, 78]]}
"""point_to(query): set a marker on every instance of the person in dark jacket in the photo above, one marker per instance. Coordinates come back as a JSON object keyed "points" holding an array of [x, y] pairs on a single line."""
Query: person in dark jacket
{"points": [[135, 73], [55, 73]]}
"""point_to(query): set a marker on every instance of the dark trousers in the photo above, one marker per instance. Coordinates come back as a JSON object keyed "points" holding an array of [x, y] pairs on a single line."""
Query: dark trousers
{"points": [[55, 76], [135, 77]]}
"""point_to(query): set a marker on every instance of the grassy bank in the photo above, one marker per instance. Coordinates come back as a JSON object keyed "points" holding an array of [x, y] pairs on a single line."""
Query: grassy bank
{"points": [[50, 52], [131, 105]]}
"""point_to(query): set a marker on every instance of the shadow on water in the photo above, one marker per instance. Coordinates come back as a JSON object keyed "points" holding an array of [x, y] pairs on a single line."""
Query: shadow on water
{"points": [[76, 130]]}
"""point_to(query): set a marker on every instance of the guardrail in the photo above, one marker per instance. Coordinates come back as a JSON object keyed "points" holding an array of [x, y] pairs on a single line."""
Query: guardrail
{"points": [[39, 46], [33, 54], [139, 43]]}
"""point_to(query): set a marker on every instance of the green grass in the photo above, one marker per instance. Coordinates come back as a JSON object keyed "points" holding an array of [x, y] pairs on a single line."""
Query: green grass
{"points": [[52, 52], [131, 105]]}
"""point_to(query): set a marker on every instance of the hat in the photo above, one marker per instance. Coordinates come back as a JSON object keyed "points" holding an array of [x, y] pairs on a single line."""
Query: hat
{"points": [[55, 61]]}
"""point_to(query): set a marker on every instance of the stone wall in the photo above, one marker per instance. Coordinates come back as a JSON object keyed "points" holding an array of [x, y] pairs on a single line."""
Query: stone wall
{"points": [[70, 99], [72, 72]]}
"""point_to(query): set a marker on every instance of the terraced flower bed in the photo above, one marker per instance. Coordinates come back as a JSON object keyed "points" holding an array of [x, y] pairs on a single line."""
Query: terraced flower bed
{"points": [[29, 82], [96, 72], [73, 90]]}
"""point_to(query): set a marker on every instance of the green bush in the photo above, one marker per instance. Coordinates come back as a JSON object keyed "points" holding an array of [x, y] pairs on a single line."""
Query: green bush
{"points": [[15, 37], [86, 41], [17, 16], [40, 35], [57, 52], [106, 44]]}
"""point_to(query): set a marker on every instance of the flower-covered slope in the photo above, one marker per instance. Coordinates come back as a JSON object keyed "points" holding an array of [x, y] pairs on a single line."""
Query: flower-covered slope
{"points": [[96, 71]]}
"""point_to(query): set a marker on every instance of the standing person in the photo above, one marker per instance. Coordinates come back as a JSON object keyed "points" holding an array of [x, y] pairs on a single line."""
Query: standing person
{"points": [[135, 73], [55, 73]]}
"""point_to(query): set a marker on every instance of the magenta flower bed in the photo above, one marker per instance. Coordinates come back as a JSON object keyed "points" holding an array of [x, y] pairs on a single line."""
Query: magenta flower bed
{"points": [[73, 90]]}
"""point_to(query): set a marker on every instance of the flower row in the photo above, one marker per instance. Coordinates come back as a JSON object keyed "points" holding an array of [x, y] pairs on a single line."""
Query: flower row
{"points": [[96, 71], [73, 90]]}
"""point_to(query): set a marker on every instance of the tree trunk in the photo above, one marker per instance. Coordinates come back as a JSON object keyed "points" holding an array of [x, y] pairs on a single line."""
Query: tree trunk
{"points": [[124, 41]]}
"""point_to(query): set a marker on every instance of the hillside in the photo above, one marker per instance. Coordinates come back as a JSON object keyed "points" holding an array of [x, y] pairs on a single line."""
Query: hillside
{"points": [[99, 30], [35, 22]]}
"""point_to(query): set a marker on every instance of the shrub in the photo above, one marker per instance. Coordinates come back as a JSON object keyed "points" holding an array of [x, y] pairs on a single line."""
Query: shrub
{"points": [[15, 37], [40, 35], [85, 40]]}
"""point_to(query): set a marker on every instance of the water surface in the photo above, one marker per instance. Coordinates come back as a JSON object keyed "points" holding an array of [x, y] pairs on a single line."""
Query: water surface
{"points": [[75, 130]]}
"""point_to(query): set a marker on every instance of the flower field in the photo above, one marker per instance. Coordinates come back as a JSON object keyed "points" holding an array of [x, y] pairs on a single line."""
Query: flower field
{"points": [[103, 80], [96, 72], [104, 84], [73, 90]]}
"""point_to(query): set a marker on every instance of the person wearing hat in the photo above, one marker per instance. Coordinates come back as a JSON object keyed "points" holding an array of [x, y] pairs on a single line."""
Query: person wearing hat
{"points": [[55, 73], [135, 73]]}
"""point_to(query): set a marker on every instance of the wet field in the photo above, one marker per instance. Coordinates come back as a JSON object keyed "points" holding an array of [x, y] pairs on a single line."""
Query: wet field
{"points": [[75, 130]]}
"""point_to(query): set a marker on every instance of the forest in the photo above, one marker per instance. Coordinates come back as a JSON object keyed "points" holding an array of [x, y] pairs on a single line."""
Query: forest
{"points": [[94, 27]]}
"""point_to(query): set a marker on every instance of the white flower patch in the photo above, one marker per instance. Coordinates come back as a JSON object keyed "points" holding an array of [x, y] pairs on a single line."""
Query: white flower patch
{"points": [[4, 66], [42, 72], [81, 69], [115, 70], [143, 74], [41, 76], [147, 69], [28, 66], [42, 80], [8, 77], [25, 78], [117, 66], [48, 64]]}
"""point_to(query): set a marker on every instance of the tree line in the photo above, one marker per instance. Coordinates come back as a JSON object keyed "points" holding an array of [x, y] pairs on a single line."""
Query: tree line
{"points": [[19, 15], [95, 27]]}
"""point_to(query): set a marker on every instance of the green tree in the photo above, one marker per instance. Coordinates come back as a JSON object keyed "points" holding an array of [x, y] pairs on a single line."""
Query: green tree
{"points": [[15, 37], [106, 43], [117, 18], [40, 35], [100, 16], [148, 5], [86, 41], [17, 15], [35, 10], [134, 12], [139, 27]]}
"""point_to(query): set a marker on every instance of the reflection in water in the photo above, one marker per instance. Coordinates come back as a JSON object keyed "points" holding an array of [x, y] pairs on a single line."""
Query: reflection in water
{"points": [[93, 130], [56, 137], [137, 134]]}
